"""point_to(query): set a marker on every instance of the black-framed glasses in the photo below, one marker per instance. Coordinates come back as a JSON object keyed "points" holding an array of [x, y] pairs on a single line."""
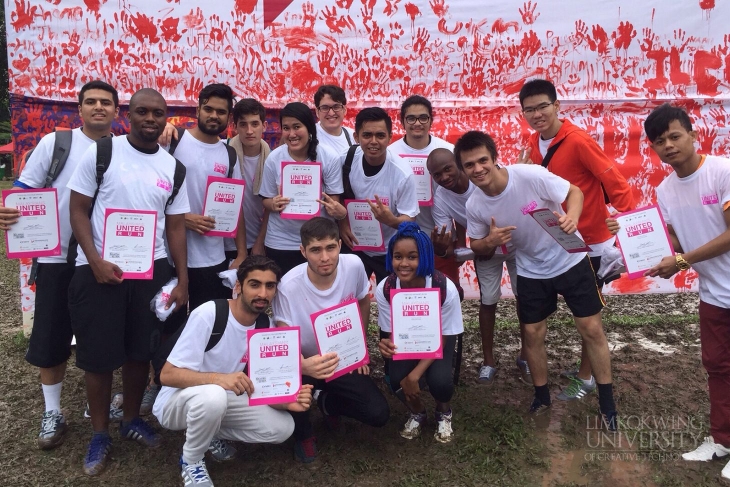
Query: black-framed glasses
{"points": [[411, 119], [542, 107], [337, 108]]}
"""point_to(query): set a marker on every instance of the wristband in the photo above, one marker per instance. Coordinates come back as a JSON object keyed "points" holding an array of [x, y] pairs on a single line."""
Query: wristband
{"points": [[446, 252]]}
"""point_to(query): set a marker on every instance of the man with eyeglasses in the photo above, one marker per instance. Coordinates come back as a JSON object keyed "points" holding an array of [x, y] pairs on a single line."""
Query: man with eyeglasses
{"points": [[331, 104], [571, 153]]}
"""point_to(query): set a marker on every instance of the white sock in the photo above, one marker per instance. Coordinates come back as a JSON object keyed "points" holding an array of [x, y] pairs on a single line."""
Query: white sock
{"points": [[590, 381], [52, 395]]}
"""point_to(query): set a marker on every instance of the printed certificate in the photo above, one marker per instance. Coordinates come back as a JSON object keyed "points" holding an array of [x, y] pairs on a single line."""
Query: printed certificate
{"points": [[415, 320], [548, 221], [274, 365], [129, 241], [301, 182], [364, 226], [37, 232], [424, 182], [643, 239], [223, 199], [339, 329]]}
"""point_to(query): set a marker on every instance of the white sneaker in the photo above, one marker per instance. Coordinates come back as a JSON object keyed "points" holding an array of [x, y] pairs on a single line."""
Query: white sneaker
{"points": [[444, 433], [412, 429], [709, 450], [195, 474]]}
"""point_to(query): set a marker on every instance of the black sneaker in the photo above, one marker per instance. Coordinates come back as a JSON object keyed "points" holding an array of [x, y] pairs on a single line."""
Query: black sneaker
{"points": [[610, 420], [538, 407]]}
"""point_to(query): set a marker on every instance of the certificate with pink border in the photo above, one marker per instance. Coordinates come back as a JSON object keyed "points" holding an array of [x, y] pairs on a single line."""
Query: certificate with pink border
{"points": [[415, 323], [549, 222], [37, 233], [339, 329], [223, 200], [643, 239], [129, 241], [364, 226], [301, 182], [274, 365], [424, 182]]}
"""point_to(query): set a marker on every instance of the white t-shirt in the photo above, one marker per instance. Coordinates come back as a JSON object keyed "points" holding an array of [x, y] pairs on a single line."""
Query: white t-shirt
{"points": [[133, 181], [452, 323], [529, 187], [297, 298], [694, 207], [253, 205], [425, 218], [230, 354], [34, 175], [201, 160], [283, 234], [337, 144], [394, 185], [449, 207]]}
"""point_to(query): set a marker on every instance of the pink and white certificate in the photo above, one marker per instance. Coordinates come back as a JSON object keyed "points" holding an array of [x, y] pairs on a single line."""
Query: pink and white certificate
{"points": [[339, 329], [415, 320], [223, 199], [424, 182], [274, 365], [549, 222], [37, 232], [129, 241], [644, 239], [301, 182], [365, 227]]}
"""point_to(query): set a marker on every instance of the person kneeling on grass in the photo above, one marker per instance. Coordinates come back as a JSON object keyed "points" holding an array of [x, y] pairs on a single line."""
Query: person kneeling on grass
{"points": [[207, 392], [410, 259]]}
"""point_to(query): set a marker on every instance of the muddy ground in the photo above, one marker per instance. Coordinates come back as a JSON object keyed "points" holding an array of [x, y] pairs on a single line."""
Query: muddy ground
{"points": [[660, 390]]}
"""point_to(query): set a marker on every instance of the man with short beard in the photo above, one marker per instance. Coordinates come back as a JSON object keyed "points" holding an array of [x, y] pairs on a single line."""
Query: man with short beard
{"points": [[111, 315]]}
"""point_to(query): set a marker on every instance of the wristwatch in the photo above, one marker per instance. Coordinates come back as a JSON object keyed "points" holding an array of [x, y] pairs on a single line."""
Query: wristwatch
{"points": [[682, 264]]}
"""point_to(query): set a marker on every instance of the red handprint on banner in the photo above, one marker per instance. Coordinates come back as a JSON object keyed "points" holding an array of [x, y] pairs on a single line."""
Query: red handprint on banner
{"points": [[528, 12], [623, 35], [599, 41], [391, 7], [337, 23]]}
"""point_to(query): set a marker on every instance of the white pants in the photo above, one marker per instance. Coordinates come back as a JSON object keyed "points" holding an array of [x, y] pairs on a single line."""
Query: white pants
{"points": [[208, 411]]}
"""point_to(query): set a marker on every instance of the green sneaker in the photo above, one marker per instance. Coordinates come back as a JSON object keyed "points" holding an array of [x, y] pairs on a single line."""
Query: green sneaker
{"points": [[577, 389]]}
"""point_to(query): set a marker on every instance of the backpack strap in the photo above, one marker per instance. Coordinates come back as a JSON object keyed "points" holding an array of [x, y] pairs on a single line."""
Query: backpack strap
{"points": [[177, 181], [348, 194], [390, 283], [174, 142], [61, 149], [219, 325], [347, 137], [103, 159], [232, 158], [549, 154], [438, 280], [263, 321]]}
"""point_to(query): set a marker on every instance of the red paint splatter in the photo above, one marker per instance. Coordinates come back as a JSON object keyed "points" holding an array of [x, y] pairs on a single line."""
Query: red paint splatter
{"points": [[684, 280], [94, 6], [413, 12], [143, 27], [707, 4], [23, 15], [273, 8], [500, 26], [245, 6], [632, 286], [706, 83], [169, 29]]}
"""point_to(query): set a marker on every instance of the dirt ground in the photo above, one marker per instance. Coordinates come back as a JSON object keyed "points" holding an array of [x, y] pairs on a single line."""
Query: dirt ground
{"points": [[659, 384]]}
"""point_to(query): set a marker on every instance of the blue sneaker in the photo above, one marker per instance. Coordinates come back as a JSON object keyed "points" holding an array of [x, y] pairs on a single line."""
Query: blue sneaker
{"points": [[195, 474], [141, 432], [97, 456]]}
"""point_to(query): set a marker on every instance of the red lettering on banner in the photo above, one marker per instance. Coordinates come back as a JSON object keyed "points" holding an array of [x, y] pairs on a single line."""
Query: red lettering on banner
{"points": [[706, 83]]}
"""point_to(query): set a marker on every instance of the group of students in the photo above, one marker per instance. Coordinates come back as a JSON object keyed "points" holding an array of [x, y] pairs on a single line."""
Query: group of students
{"points": [[300, 267]]}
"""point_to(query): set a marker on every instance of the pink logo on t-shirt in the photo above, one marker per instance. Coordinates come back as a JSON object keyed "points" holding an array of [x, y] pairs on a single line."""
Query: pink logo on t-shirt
{"points": [[710, 199], [349, 297], [220, 168], [529, 207], [161, 183], [244, 359]]}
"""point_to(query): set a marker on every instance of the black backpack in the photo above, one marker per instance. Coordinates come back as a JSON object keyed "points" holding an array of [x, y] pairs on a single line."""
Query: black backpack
{"points": [[348, 194], [232, 156], [219, 326]]}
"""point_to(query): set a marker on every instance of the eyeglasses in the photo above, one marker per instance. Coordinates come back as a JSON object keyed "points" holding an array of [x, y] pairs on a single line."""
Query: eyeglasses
{"points": [[411, 119], [337, 108], [542, 108]]}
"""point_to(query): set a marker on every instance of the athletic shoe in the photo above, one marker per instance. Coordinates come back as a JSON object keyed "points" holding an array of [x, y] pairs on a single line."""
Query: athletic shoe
{"points": [[569, 373], [305, 451], [610, 420], [195, 474], [412, 429], [116, 412], [725, 474], [525, 375], [708, 450], [53, 427], [141, 432], [486, 374], [577, 389], [444, 433], [537, 407], [97, 456], [148, 400], [221, 450]]}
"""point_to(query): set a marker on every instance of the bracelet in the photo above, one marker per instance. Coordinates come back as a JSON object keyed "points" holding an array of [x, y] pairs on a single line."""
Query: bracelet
{"points": [[340, 219], [446, 252]]}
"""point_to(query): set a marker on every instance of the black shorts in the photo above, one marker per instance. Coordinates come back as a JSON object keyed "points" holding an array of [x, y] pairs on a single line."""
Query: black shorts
{"points": [[539, 297], [113, 324], [285, 259], [50, 339], [204, 285]]}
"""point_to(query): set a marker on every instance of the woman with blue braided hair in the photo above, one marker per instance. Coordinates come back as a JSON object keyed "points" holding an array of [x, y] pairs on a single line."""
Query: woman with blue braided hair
{"points": [[410, 261]]}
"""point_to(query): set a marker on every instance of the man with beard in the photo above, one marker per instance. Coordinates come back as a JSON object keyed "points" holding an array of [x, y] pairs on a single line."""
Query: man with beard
{"points": [[110, 315], [206, 393], [327, 279]]}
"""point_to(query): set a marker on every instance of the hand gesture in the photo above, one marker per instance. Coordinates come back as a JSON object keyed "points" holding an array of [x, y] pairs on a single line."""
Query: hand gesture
{"points": [[304, 400], [666, 268], [499, 236], [107, 273], [441, 240], [566, 223], [237, 382], [386, 347], [199, 223], [524, 157], [333, 207], [320, 366], [382, 212], [236, 263]]}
